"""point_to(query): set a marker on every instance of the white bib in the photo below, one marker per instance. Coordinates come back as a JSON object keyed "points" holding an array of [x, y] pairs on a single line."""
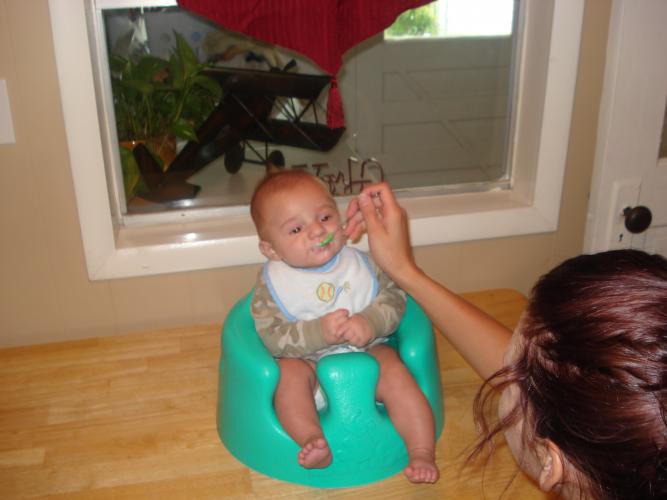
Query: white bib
{"points": [[345, 282]]}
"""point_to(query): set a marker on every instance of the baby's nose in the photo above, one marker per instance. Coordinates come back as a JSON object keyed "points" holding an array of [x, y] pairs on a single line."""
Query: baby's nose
{"points": [[317, 229]]}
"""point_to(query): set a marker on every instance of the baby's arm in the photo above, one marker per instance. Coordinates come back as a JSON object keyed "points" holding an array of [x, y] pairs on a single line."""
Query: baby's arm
{"points": [[381, 317], [285, 338]]}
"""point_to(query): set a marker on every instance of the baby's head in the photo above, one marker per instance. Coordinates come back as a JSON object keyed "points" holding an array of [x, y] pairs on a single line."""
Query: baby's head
{"points": [[297, 219]]}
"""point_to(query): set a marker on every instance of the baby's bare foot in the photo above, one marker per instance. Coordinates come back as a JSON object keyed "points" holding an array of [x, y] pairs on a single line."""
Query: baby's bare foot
{"points": [[422, 468], [315, 454]]}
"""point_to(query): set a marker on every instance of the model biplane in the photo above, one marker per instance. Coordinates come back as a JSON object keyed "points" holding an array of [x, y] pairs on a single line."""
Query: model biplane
{"points": [[257, 107]]}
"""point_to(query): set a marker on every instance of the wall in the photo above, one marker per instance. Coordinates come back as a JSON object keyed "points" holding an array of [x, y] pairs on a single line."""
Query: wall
{"points": [[45, 294]]}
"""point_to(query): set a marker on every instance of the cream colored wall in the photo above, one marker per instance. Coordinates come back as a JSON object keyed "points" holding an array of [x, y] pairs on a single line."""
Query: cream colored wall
{"points": [[45, 294]]}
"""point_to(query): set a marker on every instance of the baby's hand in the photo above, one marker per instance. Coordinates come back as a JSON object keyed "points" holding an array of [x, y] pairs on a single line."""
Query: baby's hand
{"points": [[332, 326], [357, 331]]}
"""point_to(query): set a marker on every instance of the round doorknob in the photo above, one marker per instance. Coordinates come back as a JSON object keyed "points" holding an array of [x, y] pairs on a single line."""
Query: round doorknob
{"points": [[637, 219]]}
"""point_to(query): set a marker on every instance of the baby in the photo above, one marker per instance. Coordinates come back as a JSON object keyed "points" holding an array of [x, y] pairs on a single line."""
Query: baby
{"points": [[316, 296]]}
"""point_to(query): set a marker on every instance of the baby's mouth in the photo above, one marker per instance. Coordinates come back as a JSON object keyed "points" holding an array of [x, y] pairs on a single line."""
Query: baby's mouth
{"points": [[326, 240], [329, 238]]}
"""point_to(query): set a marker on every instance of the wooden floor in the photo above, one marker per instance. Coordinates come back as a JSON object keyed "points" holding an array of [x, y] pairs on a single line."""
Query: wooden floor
{"points": [[134, 417]]}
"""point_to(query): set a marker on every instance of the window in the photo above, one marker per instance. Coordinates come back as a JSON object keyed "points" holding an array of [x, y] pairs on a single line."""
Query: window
{"points": [[522, 174], [456, 18], [440, 121]]}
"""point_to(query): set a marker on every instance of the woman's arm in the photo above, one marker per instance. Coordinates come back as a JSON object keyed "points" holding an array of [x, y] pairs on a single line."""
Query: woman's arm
{"points": [[479, 338]]}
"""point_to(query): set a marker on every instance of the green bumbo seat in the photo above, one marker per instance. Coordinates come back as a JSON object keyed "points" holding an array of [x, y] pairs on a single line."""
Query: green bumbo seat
{"points": [[364, 444]]}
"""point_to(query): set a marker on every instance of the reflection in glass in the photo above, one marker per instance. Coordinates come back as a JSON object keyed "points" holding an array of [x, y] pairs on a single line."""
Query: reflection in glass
{"points": [[428, 113]]}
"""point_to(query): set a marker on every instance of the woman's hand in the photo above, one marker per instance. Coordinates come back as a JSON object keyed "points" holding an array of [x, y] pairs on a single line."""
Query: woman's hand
{"points": [[377, 211]]}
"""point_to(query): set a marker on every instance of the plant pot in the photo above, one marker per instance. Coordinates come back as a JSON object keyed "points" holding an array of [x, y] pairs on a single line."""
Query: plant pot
{"points": [[163, 148]]}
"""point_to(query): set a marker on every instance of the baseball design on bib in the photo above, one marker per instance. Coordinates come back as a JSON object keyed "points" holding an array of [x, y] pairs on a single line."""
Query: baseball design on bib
{"points": [[326, 292]]}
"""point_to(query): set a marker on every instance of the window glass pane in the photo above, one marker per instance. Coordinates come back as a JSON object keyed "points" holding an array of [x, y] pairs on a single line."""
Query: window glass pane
{"points": [[455, 18], [430, 113]]}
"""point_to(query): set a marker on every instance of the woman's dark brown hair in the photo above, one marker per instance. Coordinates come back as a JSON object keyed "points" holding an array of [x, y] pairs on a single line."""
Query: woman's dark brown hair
{"points": [[592, 372]]}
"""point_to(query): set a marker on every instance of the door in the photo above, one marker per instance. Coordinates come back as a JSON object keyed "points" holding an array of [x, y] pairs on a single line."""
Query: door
{"points": [[629, 187]]}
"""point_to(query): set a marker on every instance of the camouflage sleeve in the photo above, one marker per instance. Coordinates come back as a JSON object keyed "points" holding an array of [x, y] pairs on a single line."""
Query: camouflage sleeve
{"points": [[283, 338], [385, 312]]}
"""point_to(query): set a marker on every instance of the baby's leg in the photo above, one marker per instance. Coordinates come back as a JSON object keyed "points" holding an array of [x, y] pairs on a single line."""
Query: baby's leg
{"points": [[296, 411], [410, 413]]}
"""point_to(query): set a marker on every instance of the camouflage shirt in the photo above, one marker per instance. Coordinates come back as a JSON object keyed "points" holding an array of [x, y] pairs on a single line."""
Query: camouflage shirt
{"points": [[295, 339]]}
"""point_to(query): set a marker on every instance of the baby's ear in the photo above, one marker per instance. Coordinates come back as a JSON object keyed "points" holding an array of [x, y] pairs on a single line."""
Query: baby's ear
{"points": [[268, 251]]}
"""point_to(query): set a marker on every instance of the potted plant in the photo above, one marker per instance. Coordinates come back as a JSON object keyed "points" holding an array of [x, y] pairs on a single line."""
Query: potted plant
{"points": [[158, 101]]}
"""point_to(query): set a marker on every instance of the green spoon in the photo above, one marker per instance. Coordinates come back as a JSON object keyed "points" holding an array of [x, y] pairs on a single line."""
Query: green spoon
{"points": [[326, 240]]}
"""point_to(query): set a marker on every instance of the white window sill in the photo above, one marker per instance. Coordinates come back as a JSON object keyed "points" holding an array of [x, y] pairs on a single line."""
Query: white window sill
{"points": [[147, 250]]}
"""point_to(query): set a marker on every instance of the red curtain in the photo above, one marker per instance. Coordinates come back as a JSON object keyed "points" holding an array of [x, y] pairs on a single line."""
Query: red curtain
{"points": [[322, 30]]}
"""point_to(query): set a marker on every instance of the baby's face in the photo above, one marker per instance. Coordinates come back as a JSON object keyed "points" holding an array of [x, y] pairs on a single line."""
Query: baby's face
{"points": [[298, 223]]}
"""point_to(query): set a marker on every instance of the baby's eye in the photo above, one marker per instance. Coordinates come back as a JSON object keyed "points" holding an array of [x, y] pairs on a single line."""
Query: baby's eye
{"points": [[325, 218], [295, 230]]}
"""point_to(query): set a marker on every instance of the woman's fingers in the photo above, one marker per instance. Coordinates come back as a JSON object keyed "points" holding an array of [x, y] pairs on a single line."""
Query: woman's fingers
{"points": [[388, 233], [382, 196], [371, 209], [352, 209], [355, 226], [370, 213]]}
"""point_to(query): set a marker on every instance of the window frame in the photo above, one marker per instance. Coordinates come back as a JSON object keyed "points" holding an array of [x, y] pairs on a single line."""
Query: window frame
{"points": [[205, 239]]}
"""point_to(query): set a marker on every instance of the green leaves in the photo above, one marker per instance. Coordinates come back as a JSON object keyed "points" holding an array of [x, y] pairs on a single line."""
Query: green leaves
{"points": [[117, 64], [154, 97], [416, 22], [209, 85], [183, 130], [138, 85], [132, 180], [185, 58], [148, 69]]}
